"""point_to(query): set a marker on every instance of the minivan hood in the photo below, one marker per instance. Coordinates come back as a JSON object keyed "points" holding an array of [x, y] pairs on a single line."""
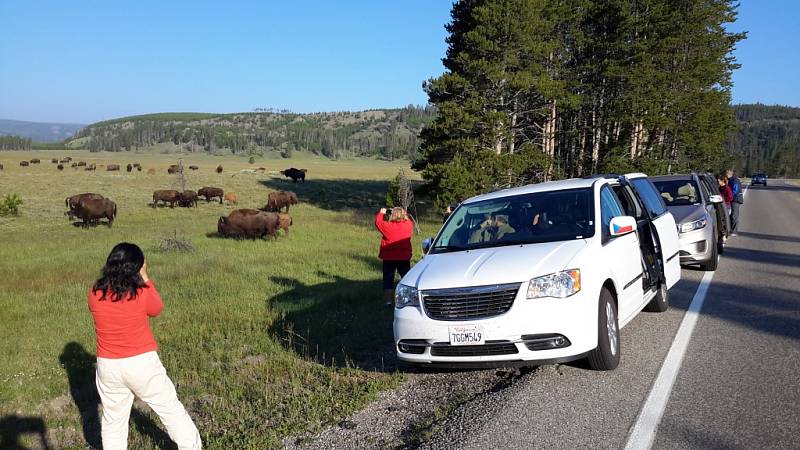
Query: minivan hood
{"points": [[687, 213], [498, 265]]}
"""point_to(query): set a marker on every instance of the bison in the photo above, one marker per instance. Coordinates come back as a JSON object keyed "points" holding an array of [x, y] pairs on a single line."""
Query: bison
{"points": [[284, 221], [138, 168], [278, 200], [295, 174], [211, 192], [193, 167], [35, 161], [248, 225], [81, 163], [91, 167], [65, 160], [231, 198], [151, 171], [60, 167], [136, 164], [129, 168], [187, 199], [1, 167], [74, 166], [174, 168], [24, 163], [112, 167], [54, 160], [91, 210], [170, 196], [72, 202], [219, 168]]}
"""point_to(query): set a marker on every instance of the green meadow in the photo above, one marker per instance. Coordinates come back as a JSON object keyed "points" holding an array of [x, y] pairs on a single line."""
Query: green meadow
{"points": [[263, 339]]}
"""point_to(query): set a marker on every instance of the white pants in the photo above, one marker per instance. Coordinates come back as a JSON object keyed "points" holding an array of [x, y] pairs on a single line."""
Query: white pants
{"points": [[143, 376]]}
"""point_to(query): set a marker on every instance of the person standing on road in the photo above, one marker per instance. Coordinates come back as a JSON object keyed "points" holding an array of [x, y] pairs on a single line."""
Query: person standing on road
{"points": [[121, 301], [738, 199], [727, 195], [395, 249]]}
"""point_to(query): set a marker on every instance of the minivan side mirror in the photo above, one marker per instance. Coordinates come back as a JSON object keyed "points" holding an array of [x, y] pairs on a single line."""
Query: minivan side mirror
{"points": [[715, 199], [622, 225], [426, 245]]}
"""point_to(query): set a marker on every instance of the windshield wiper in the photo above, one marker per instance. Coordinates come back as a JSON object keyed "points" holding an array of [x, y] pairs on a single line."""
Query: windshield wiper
{"points": [[448, 247]]}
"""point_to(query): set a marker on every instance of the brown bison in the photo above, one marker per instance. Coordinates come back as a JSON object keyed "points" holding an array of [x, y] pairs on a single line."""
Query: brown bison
{"points": [[138, 168], [284, 222], [187, 199], [74, 166], [175, 168], [211, 192], [81, 163], [170, 196], [24, 163], [91, 167], [72, 202], [231, 198], [248, 224], [278, 200], [91, 210], [137, 165], [129, 168], [295, 174], [219, 168], [60, 167], [193, 167], [151, 171], [54, 160], [112, 167], [35, 161], [65, 160], [1, 167]]}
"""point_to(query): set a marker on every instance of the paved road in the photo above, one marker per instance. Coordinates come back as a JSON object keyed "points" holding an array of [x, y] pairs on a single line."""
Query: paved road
{"points": [[737, 386]]}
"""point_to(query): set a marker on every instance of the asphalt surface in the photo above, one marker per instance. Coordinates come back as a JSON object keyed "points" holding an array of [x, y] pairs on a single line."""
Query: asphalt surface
{"points": [[738, 385]]}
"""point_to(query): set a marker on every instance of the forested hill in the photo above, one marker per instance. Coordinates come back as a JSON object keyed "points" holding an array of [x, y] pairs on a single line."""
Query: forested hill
{"points": [[387, 133], [767, 138]]}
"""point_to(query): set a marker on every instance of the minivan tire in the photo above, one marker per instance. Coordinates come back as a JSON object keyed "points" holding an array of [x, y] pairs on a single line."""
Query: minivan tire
{"points": [[711, 264], [660, 302], [606, 355]]}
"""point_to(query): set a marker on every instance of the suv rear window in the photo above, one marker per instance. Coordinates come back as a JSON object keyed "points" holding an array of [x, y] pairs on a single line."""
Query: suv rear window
{"points": [[650, 197]]}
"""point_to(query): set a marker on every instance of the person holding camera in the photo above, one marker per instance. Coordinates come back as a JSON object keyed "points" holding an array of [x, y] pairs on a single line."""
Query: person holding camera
{"points": [[395, 251], [121, 302]]}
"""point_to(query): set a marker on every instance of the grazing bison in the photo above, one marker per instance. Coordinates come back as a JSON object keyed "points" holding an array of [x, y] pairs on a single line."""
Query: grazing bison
{"points": [[174, 168], [284, 222], [193, 167], [91, 167], [278, 200], [60, 167], [248, 225], [151, 171], [295, 174], [35, 161], [219, 168], [138, 168], [112, 167], [211, 192], [1, 167], [91, 210], [64, 161], [24, 163], [81, 163], [54, 160], [170, 196], [187, 199], [129, 168], [74, 166], [231, 198], [72, 202]]}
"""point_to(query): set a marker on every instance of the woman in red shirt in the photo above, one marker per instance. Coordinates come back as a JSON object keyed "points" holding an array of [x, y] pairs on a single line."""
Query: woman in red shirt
{"points": [[395, 247], [121, 302], [727, 195]]}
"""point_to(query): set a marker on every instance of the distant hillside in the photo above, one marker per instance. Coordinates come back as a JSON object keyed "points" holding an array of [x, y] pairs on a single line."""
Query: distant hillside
{"points": [[387, 133], [768, 139], [39, 131]]}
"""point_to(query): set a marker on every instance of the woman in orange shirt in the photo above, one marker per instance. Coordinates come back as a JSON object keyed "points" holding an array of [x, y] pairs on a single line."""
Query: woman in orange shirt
{"points": [[121, 302]]}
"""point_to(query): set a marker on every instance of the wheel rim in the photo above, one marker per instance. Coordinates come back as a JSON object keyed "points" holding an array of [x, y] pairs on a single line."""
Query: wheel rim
{"points": [[611, 328]]}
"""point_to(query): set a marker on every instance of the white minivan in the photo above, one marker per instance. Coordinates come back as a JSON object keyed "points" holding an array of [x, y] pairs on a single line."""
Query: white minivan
{"points": [[539, 274]]}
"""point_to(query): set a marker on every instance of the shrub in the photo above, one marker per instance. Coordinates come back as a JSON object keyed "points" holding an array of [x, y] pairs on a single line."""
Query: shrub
{"points": [[252, 160], [175, 243], [9, 206]]}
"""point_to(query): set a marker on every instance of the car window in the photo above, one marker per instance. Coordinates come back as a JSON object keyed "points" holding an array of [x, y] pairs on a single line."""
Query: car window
{"points": [[705, 188], [609, 208], [678, 192], [650, 197], [520, 219], [630, 205]]}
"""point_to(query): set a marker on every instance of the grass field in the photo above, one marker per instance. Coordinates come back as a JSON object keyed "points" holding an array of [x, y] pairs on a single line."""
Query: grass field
{"points": [[263, 339]]}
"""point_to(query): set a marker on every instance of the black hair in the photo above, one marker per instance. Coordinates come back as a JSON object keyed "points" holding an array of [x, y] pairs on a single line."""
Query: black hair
{"points": [[120, 275]]}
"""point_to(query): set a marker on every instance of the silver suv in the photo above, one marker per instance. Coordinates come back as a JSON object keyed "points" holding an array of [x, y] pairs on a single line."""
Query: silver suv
{"points": [[694, 210]]}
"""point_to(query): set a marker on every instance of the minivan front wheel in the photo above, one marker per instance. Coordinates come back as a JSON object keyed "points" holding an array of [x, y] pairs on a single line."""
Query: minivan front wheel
{"points": [[606, 355]]}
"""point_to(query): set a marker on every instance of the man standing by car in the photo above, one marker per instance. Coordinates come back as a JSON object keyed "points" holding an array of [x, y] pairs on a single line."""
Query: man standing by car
{"points": [[738, 199]]}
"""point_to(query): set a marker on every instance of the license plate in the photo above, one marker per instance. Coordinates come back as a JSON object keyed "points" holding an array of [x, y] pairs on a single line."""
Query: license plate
{"points": [[466, 335]]}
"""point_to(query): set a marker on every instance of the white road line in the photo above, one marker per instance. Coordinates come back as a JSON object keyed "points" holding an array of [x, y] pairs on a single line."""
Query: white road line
{"points": [[644, 430]]}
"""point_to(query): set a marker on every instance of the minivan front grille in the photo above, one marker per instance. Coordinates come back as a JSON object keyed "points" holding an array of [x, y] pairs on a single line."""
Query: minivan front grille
{"points": [[479, 302], [490, 348]]}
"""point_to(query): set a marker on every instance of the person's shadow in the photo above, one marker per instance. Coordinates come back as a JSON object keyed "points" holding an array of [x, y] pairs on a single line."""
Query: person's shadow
{"points": [[13, 427], [80, 367]]}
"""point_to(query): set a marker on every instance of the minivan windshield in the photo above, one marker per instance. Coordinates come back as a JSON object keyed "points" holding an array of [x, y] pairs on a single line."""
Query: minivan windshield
{"points": [[520, 219], [678, 192]]}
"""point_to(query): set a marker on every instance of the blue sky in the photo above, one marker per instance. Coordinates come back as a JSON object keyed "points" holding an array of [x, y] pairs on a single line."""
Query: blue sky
{"points": [[85, 61]]}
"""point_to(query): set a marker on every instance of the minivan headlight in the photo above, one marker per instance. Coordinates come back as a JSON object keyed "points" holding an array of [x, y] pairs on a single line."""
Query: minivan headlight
{"points": [[558, 285], [405, 296], [691, 226]]}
